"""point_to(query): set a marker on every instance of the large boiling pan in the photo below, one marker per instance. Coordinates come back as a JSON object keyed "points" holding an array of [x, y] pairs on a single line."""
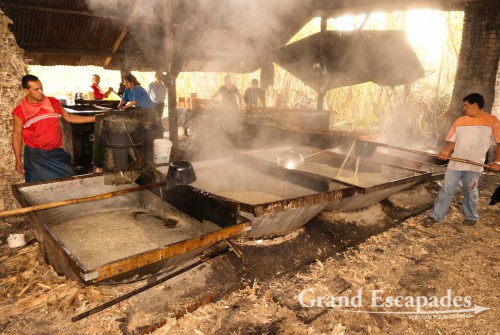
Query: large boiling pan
{"points": [[173, 251], [276, 201], [389, 180]]}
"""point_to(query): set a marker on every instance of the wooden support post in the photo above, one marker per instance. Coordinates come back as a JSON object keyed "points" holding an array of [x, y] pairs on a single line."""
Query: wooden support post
{"points": [[173, 124], [173, 72], [322, 57]]}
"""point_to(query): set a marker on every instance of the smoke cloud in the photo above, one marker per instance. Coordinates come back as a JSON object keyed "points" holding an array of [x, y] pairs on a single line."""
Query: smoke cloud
{"points": [[213, 36]]}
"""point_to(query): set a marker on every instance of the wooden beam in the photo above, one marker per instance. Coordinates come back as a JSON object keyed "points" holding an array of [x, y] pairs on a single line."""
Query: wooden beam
{"points": [[168, 42], [124, 32], [73, 52], [335, 9], [117, 44], [77, 200]]}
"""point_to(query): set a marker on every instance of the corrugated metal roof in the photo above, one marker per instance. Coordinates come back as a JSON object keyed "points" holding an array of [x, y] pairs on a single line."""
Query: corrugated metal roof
{"points": [[209, 35]]}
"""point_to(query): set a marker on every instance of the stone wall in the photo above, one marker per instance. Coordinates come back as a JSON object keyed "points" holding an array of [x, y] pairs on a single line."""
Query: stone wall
{"points": [[479, 54], [495, 110], [12, 68]]}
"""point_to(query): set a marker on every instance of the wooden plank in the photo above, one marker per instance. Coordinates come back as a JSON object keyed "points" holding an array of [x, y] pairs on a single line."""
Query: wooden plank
{"points": [[117, 268]]}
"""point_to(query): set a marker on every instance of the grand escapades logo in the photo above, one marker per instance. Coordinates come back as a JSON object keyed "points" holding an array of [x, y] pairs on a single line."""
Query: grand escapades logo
{"points": [[379, 303]]}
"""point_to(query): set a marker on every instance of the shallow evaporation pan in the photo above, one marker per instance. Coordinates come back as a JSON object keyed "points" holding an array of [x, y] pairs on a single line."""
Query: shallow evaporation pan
{"points": [[115, 238], [276, 201], [373, 181], [101, 238]]}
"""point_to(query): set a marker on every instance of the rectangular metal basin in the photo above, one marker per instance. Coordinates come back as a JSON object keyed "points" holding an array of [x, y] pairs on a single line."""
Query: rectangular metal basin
{"points": [[114, 238], [373, 181], [276, 201]]}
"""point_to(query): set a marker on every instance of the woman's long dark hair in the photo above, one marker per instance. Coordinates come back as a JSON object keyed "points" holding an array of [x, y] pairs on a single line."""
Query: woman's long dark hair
{"points": [[130, 78]]}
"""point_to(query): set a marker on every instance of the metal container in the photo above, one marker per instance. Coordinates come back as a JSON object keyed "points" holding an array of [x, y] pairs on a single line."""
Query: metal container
{"points": [[79, 138], [71, 253], [276, 200], [376, 181], [121, 131], [122, 137], [181, 172]]}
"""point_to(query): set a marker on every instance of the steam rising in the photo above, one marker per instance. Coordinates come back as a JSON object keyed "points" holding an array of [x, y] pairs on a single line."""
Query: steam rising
{"points": [[215, 36], [223, 36]]}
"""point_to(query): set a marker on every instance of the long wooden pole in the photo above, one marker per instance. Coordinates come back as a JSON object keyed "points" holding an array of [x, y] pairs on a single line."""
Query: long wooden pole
{"points": [[77, 200], [461, 160]]}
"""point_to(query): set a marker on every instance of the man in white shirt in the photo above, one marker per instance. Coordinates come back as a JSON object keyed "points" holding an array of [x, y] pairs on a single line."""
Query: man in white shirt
{"points": [[469, 138], [158, 92]]}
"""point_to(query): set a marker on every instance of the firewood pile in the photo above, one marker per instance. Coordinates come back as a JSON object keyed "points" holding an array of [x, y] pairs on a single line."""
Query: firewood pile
{"points": [[12, 68]]}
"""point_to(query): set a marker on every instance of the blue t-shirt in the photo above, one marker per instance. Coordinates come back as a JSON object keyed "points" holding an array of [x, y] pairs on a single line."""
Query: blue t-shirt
{"points": [[140, 95]]}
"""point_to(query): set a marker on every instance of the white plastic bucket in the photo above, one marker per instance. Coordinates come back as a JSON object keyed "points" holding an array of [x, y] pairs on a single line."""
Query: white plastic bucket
{"points": [[161, 151]]}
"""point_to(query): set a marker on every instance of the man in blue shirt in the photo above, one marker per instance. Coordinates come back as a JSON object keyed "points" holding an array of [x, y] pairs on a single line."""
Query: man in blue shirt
{"points": [[134, 95]]}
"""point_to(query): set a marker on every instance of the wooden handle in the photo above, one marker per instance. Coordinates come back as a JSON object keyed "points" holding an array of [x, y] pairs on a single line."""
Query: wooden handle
{"points": [[461, 160], [77, 200]]}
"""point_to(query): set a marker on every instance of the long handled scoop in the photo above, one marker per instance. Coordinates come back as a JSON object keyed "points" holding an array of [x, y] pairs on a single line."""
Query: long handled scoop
{"points": [[366, 149], [179, 172], [77, 200], [291, 159]]}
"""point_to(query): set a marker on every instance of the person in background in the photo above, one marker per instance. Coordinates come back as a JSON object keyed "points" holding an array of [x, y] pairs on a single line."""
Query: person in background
{"points": [[253, 95], [134, 95], [469, 138], [229, 92], [36, 124], [158, 92], [99, 94], [121, 89]]}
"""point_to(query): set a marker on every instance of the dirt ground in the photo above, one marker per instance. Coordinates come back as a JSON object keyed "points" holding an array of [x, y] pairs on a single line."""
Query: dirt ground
{"points": [[407, 260]]}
